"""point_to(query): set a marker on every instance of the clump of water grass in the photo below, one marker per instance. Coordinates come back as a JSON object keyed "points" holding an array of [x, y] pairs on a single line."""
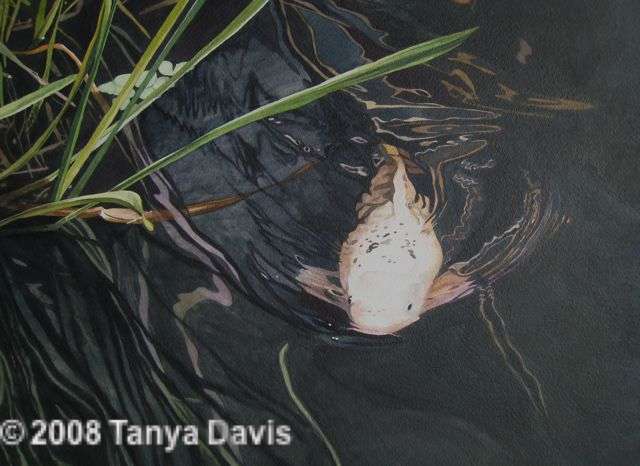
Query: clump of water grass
{"points": [[62, 184]]}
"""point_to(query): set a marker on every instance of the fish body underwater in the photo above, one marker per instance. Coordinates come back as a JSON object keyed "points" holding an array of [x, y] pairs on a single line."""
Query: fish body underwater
{"points": [[392, 257], [390, 270]]}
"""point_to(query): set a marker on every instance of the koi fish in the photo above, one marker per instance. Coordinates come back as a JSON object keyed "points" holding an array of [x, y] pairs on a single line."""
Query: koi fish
{"points": [[390, 266], [390, 260]]}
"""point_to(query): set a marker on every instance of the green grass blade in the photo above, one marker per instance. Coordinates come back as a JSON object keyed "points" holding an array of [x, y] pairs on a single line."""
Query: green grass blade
{"points": [[14, 16], [122, 7], [127, 199], [105, 18], [406, 58], [34, 97], [41, 183], [151, 72], [40, 19], [46, 134], [57, 13], [84, 154], [412, 56], [282, 360], [229, 31], [41, 31], [135, 107], [5, 52]]}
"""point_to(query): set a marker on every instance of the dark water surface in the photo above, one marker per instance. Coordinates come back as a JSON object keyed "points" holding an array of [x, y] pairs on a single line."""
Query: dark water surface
{"points": [[534, 163]]}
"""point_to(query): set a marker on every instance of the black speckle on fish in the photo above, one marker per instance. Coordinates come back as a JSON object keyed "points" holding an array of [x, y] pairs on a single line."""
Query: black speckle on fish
{"points": [[411, 253], [372, 246]]}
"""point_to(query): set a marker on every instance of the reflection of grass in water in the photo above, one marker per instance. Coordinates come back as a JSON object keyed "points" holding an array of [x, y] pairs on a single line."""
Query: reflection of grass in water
{"points": [[497, 329], [186, 417], [113, 376], [282, 358]]}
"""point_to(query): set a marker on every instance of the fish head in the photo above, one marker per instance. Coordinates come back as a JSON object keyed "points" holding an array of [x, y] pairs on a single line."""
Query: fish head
{"points": [[385, 301]]}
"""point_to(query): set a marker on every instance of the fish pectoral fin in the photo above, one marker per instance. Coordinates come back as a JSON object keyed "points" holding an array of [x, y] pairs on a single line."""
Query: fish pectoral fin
{"points": [[324, 285], [423, 203], [448, 287], [424, 211]]}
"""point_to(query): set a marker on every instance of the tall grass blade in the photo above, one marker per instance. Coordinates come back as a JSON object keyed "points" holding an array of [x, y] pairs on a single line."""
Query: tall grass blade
{"points": [[229, 31], [127, 199], [135, 107], [5, 52], [56, 13], [105, 18], [40, 18], [41, 183], [34, 97], [141, 87], [46, 134], [282, 360], [84, 154], [122, 7], [406, 58], [9, 26], [45, 23]]}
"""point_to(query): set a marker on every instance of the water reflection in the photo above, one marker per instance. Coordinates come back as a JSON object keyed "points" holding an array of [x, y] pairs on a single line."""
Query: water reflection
{"points": [[248, 214], [277, 232]]}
